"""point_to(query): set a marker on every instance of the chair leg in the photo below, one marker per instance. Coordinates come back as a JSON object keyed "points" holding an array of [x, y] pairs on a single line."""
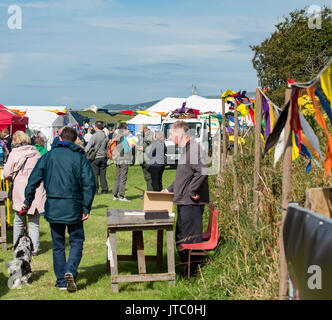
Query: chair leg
{"points": [[189, 262]]}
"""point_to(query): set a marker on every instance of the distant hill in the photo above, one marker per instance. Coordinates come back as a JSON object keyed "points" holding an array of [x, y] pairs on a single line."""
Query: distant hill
{"points": [[146, 105], [139, 106]]}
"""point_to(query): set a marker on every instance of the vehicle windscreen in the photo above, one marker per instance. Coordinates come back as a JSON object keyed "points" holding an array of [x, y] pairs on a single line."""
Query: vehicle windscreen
{"points": [[195, 129]]}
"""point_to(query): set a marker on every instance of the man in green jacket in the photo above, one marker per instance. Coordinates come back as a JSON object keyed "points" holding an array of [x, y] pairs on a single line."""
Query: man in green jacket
{"points": [[70, 187]]}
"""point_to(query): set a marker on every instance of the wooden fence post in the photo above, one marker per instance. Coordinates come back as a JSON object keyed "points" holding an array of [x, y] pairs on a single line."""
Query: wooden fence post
{"points": [[236, 148], [224, 146], [236, 131], [286, 192], [258, 124]]}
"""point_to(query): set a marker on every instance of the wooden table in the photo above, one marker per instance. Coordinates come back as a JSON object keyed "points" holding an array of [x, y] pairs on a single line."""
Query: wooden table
{"points": [[3, 238], [127, 220]]}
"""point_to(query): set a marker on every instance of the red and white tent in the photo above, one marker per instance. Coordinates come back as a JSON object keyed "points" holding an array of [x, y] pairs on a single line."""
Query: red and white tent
{"points": [[12, 121]]}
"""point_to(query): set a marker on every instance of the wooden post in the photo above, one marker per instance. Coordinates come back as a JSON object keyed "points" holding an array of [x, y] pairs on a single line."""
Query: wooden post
{"points": [[286, 192], [236, 148], [258, 124], [236, 130], [224, 146]]}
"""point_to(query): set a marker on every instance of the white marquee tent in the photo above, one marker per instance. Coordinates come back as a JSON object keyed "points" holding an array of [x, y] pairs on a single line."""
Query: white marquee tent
{"points": [[166, 105], [46, 121], [202, 104]]}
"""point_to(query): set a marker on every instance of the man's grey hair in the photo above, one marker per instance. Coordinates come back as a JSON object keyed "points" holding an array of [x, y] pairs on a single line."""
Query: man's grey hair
{"points": [[181, 125]]}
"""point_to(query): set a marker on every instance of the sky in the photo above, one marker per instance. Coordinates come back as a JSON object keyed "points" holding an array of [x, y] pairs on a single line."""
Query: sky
{"points": [[77, 53]]}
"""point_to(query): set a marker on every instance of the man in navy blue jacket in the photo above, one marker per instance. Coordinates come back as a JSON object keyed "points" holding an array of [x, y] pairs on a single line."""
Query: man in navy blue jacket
{"points": [[70, 187]]}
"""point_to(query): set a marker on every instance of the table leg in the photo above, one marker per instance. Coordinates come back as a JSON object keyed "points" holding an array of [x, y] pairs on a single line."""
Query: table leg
{"points": [[114, 269], [140, 252], [134, 245], [170, 253], [160, 242]]}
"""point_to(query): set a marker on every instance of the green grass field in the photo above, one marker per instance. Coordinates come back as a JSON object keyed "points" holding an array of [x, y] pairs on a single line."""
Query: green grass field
{"points": [[94, 277]]}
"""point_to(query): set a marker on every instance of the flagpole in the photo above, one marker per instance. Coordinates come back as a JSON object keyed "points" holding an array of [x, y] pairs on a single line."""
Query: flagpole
{"points": [[286, 193]]}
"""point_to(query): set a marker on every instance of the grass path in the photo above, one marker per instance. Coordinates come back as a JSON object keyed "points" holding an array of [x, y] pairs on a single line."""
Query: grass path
{"points": [[94, 278]]}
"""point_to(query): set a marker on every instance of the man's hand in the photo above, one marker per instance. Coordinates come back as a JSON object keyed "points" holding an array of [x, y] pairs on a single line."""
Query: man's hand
{"points": [[85, 216], [164, 191], [196, 197]]}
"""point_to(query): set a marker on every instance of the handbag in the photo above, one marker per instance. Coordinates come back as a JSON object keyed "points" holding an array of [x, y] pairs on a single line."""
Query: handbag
{"points": [[10, 190]]}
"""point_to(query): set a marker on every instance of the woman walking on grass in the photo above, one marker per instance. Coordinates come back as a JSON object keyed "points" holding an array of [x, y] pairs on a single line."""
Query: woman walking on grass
{"points": [[18, 168]]}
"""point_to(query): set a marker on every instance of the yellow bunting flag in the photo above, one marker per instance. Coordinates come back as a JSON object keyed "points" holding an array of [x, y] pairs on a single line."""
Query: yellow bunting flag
{"points": [[326, 83], [227, 93], [146, 113], [242, 108], [295, 149]]}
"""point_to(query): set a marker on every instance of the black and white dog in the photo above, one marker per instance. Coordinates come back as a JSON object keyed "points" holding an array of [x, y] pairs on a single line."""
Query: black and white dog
{"points": [[20, 269]]}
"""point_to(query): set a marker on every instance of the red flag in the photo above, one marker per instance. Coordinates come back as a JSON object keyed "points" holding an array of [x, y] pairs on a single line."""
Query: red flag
{"points": [[130, 112], [295, 118]]}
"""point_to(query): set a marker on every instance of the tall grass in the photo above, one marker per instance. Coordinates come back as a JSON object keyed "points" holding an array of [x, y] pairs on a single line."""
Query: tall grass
{"points": [[246, 263]]}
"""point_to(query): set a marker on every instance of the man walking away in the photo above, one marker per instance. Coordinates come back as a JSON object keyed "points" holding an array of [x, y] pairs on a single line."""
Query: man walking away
{"points": [[70, 188], [99, 164]]}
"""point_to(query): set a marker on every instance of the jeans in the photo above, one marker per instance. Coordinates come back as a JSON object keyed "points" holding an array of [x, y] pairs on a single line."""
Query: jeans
{"points": [[33, 227], [76, 239], [99, 166]]}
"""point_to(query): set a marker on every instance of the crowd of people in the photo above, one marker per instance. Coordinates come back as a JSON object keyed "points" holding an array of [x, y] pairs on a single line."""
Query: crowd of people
{"points": [[61, 183]]}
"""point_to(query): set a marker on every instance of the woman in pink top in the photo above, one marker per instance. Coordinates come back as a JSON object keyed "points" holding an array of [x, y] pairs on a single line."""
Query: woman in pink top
{"points": [[19, 166]]}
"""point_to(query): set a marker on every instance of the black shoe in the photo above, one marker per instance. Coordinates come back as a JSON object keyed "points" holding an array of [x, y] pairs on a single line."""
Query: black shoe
{"points": [[104, 192], [71, 285]]}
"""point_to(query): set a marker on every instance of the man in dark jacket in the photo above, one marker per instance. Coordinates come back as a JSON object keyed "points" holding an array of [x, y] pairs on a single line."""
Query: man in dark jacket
{"points": [[190, 186], [99, 164], [70, 187]]}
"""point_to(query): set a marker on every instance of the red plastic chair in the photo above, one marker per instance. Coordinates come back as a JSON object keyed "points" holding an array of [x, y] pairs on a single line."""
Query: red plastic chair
{"points": [[207, 234], [201, 249]]}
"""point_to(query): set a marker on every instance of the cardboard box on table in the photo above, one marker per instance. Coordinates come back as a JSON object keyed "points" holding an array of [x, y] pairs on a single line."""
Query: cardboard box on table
{"points": [[157, 202]]}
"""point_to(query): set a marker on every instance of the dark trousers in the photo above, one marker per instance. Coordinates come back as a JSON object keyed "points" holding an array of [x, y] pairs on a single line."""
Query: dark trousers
{"points": [[120, 181], [189, 226], [76, 239], [99, 166], [157, 177], [147, 176]]}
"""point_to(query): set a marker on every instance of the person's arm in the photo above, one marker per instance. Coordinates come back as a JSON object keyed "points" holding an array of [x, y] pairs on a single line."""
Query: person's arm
{"points": [[8, 169], [90, 143], [198, 176], [88, 185], [35, 179]]}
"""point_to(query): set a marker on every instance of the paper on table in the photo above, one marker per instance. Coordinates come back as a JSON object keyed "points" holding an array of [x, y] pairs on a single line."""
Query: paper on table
{"points": [[134, 213]]}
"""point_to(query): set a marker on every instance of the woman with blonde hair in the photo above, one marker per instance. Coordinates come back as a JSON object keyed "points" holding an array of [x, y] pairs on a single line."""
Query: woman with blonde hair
{"points": [[18, 168]]}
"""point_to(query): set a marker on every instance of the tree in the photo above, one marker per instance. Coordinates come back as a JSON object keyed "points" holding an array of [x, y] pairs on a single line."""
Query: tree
{"points": [[294, 50]]}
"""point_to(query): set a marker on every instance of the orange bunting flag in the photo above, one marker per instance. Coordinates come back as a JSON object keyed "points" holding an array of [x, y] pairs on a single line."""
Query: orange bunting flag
{"points": [[328, 158], [20, 113]]}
